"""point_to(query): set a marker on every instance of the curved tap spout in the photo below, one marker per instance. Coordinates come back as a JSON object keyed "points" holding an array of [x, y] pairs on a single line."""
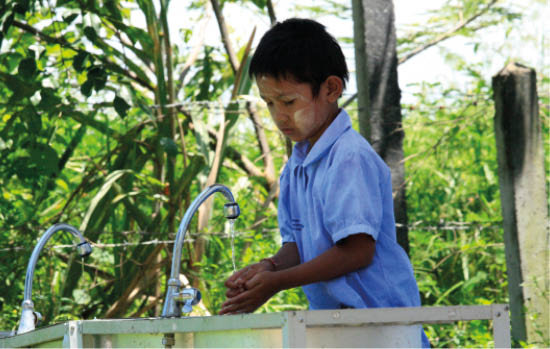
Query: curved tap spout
{"points": [[231, 211], [28, 315]]}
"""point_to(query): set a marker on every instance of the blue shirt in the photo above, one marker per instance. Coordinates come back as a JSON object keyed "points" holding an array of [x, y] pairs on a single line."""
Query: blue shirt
{"points": [[342, 187]]}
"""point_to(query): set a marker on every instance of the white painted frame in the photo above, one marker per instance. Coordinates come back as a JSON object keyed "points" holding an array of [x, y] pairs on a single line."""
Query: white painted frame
{"points": [[292, 323], [498, 313]]}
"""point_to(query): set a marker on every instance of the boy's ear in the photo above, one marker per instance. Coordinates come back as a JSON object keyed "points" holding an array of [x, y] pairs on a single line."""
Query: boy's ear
{"points": [[334, 88]]}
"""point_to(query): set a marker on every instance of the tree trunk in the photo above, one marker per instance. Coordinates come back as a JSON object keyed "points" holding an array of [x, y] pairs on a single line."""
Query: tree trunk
{"points": [[379, 95]]}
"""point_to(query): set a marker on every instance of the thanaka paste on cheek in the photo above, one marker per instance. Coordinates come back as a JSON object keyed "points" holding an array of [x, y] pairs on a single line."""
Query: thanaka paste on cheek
{"points": [[303, 122], [302, 117]]}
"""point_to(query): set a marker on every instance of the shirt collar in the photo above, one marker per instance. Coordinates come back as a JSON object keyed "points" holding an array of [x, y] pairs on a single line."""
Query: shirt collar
{"points": [[339, 125]]}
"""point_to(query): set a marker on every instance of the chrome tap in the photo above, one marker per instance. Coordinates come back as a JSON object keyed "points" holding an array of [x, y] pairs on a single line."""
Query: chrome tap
{"points": [[190, 296], [29, 317]]}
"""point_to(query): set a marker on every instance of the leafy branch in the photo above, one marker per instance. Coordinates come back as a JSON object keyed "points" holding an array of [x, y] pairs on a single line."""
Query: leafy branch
{"points": [[450, 33], [63, 42]]}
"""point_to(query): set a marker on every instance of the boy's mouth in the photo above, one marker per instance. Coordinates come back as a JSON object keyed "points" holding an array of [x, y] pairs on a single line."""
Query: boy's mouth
{"points": [[286, 130]]}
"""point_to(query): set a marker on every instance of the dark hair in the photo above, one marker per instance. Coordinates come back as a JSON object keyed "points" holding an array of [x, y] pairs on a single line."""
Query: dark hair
{"points": [[300, 49]]}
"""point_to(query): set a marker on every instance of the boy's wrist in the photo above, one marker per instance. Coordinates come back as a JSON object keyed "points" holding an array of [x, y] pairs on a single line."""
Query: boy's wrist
{"points": [[271, 263]]}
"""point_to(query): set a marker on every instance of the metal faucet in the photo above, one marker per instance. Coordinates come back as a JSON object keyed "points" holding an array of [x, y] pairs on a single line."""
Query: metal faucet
{"points": [[29, 317], [188, 297]]}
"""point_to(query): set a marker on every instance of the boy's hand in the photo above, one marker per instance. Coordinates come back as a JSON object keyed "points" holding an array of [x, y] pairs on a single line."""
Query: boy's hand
{"points": [[236, 282], [254, 293]]}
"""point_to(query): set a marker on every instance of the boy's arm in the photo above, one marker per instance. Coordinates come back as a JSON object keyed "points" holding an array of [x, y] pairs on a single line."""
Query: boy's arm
{"points": [[349, 254]]}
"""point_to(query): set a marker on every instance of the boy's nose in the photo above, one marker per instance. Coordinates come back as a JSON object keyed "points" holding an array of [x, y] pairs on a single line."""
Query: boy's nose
{"points": [[278, 114]]}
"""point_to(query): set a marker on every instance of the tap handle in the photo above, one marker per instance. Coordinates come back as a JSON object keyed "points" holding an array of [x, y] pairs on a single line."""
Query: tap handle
{"points": [[189, 298], [37, 318], [187, 308]]}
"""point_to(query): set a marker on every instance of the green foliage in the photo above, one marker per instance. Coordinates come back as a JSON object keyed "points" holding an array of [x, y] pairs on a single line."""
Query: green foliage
{"points": [[67, 156], [453, 197]]}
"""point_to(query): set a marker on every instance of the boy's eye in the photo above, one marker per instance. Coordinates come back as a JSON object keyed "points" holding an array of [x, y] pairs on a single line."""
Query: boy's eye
{"points": [[287, 103]]}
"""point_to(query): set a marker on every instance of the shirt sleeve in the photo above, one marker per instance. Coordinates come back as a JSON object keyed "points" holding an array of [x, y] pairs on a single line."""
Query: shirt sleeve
{"points": [[283, 208], [353, 199]]}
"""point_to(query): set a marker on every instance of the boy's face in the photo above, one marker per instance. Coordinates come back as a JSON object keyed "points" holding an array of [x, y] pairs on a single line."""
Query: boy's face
{"points": [[294, 110]]}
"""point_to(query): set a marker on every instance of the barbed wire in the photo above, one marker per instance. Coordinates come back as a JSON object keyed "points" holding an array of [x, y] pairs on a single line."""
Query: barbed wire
{"points": [[189, 237], [192, 237], [241, 103], [229, 108], [451, 225], [94, 244]]}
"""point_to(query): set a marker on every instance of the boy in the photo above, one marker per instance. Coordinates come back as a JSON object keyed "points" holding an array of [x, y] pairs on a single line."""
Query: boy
{"points": [[335, 207]]}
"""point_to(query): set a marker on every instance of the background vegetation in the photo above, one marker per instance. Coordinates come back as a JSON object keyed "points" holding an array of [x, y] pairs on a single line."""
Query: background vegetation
{"points": [[114, 127]]}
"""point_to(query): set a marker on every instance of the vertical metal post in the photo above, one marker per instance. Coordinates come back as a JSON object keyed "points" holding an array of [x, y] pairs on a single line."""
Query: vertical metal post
{"points": [[73, 335], [294, 330], [501, 326]]}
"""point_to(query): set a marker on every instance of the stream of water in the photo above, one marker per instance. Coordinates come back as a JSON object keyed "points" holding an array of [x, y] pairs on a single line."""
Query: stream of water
{"points": [[232, 232]]}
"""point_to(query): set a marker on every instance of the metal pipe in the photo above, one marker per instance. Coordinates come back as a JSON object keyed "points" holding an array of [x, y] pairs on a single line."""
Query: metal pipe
{"points": [[231, 211], [28, 317]]}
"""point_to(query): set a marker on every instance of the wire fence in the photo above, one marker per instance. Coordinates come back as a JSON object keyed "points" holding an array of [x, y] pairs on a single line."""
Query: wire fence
{"points": [[191, 237]]}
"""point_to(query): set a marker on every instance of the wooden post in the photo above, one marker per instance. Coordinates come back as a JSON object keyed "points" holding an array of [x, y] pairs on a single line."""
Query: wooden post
{"points": [[524, 201], [379, 96]]}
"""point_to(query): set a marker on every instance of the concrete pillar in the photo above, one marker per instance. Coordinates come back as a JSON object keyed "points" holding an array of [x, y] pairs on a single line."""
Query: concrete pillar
{"points": [[524, 201]]}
